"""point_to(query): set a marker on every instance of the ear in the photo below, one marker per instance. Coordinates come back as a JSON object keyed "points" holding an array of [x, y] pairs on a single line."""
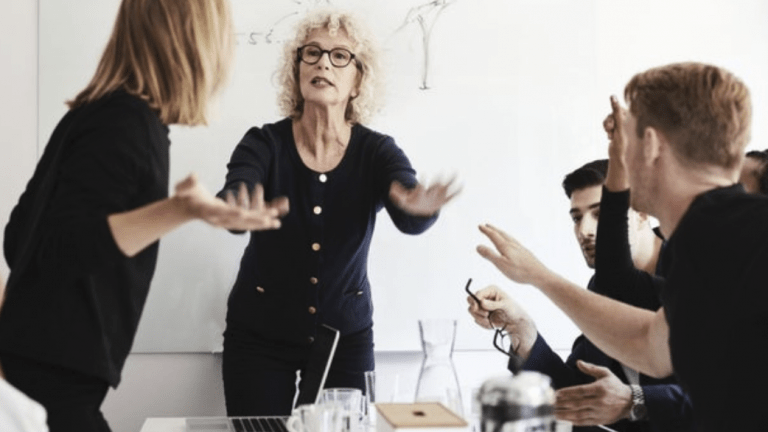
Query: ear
{"points": [[654, 144]]}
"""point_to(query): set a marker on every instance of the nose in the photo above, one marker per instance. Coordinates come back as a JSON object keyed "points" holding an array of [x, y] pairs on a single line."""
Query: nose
{"points": [[587, 227], [325, 60]]}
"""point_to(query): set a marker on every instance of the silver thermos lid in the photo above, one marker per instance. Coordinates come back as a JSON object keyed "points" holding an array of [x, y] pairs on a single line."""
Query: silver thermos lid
{"points": [[524, 402]]}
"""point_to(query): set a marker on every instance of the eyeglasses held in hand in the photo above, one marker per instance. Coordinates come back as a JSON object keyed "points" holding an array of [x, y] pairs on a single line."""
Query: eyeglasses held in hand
{"points": [[311, 54], [501, 340]]}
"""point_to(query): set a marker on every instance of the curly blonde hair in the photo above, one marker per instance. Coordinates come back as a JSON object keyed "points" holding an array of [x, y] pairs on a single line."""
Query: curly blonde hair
{"points": [[360, 108]]}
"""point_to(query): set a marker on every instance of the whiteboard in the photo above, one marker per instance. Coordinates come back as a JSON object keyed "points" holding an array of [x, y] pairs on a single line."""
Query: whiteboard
{"points": [[516, 93]]}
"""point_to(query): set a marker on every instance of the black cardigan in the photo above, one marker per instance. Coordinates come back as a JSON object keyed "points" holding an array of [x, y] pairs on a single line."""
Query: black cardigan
{"points": [[314, 268]]}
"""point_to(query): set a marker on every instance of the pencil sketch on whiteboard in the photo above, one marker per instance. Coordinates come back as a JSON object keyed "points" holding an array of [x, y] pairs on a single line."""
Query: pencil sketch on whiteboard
{"points": [[425, 15], [277, 32]]}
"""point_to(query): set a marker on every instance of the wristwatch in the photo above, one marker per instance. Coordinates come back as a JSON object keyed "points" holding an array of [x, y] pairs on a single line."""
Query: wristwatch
{"points": [[638, 411]]}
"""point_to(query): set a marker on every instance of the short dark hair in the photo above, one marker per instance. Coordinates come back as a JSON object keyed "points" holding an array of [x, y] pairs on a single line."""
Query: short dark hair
{"points": [[762, 172], [588, 175]]}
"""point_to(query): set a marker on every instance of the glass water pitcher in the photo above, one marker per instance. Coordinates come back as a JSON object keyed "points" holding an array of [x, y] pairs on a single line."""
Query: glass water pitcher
{"points": [[438, 381]]}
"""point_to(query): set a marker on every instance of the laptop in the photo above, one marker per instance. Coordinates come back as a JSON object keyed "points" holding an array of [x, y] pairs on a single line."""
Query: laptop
{"points": [[313, 381]]}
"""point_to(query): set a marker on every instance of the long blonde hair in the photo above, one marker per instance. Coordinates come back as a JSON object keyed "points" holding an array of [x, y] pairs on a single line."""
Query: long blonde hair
{"points": [[175, 54]]}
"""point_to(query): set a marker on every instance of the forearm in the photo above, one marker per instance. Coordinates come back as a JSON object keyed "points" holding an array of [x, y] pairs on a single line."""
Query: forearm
{"points": [[616, 178], [542, 359], [626, 333], [136, 229]]}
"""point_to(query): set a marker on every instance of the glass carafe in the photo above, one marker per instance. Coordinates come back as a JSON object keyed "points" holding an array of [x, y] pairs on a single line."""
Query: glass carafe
{"points": [[438, 381]]}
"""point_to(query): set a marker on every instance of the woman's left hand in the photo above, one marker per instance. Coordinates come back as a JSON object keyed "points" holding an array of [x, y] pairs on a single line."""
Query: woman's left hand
{"points": [[422, 200]]}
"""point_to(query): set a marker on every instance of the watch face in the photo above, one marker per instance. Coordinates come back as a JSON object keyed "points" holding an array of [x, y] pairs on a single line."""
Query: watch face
{"points": [[639, 412]]}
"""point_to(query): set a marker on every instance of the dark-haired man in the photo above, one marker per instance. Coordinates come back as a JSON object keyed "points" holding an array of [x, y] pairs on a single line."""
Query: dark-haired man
{"points": [[754, 172], [594, 388], [682, 140]]}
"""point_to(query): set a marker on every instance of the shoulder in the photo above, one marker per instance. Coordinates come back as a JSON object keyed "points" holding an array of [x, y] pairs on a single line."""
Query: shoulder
{"points": [[118, 123], [126, 117], [121, 108], [726, 211], [275, 134], [370, 137], [722, 225]]}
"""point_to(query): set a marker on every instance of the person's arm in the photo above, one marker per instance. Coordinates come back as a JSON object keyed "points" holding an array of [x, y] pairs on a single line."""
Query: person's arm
{"points": [[249, 163], [634, 336], [615, 273], [669, 407], [531, 351], [412, 206], [136, 229]]}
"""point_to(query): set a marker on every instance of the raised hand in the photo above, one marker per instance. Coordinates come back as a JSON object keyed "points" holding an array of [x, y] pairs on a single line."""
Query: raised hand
{"points": [[515, 261], [617, 178], [604, 401], [247, 212], [423, 200]]}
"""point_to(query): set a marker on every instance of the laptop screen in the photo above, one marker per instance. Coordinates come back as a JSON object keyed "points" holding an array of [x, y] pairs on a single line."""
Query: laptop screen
{"points": [[318, 365]]}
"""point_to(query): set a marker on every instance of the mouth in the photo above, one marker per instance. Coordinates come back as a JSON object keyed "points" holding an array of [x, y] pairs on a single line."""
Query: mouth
{"points": [[318, 80], [588, 248]]}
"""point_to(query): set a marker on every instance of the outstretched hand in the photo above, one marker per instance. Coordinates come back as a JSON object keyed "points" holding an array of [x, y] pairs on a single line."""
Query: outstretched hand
{"points": [[604, 401], [515, 261], [246, 212], [423, 200]]}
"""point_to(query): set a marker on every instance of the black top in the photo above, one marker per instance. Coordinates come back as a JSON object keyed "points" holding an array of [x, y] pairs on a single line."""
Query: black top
{"points": [[716, 304], [314, 268], [616, 276], [77, 304]]}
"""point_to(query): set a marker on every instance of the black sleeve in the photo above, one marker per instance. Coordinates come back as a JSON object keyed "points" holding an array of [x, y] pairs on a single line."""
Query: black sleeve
{"points": [[393, 165], [563, 373], [250, 161], [106, 168], [615, 273], [669, 407]]}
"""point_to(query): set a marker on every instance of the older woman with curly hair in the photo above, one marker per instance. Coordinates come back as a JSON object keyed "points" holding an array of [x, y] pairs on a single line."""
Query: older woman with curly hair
{"points": [[337, 174]]}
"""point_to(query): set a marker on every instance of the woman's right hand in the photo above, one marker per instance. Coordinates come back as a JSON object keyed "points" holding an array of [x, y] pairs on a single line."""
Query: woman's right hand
{"points": [[246, 212]]}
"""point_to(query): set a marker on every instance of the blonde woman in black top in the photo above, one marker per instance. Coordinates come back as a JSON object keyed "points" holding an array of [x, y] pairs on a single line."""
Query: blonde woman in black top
{"points": [[80, 275]]}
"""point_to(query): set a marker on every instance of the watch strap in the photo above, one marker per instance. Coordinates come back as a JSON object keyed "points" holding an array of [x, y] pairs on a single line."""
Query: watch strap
{"points": [[638, 410]]}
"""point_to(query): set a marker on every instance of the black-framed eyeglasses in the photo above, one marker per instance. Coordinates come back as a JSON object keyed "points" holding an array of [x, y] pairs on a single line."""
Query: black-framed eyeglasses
{"points": [[311, 54], [501, 340]]}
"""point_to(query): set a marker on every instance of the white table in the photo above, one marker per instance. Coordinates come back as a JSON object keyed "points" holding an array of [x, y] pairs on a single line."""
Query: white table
{"points": [[164, 424]]}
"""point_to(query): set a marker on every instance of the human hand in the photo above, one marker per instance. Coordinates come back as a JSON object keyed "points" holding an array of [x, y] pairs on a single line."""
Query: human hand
{"points": [[246, 212], [617, 177], [515, 261], [499, 310], [423, 200], [605, 401], [615, 127]]}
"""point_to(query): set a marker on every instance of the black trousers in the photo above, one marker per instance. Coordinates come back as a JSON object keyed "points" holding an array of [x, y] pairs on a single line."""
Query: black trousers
{"points": [[260, 374], [72, 400]]}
